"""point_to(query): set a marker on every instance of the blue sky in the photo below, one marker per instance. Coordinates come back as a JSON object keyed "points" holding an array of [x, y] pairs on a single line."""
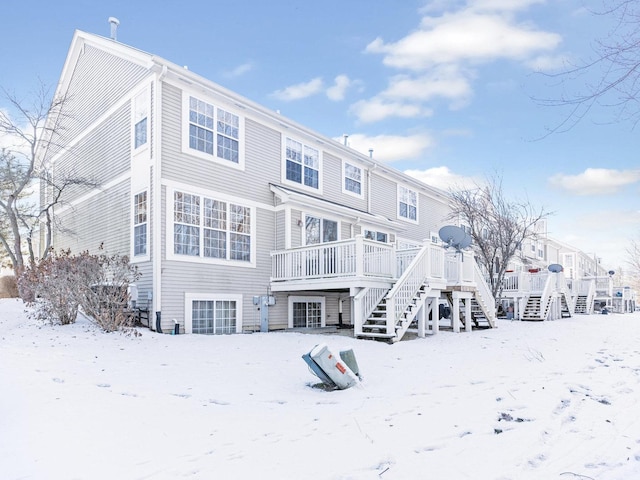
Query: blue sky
{"points": [[442, 89]]}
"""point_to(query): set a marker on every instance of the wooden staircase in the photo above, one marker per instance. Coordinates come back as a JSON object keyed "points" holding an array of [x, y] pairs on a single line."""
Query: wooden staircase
{"points": [[565, 311], [479, 318], [376, 326], [534, 311], [581, 304]]}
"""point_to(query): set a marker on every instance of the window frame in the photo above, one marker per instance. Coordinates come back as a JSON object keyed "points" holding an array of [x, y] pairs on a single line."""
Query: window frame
{"points": [[201, 226], [217, 107], [399, 202], [377, 233], [307, 299], [346, 163], [189, 298], [301, 184], [140, 111], [322, 219], [146, 255]]}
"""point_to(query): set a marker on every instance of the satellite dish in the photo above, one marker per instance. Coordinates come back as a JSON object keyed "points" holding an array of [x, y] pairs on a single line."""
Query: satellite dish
{"points": [[454, 237], [555, 268]]}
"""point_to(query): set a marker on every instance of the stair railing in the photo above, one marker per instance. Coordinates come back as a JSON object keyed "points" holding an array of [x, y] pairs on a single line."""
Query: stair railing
{"points": [[364, 303], [485, 298], [402, 293]]}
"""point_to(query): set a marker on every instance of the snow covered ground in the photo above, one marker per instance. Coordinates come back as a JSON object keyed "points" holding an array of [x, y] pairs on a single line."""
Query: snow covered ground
{"points": [[548, 400]]}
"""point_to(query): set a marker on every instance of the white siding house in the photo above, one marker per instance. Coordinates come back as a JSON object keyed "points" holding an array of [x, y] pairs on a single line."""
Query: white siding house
{"points": [[223, 204]]}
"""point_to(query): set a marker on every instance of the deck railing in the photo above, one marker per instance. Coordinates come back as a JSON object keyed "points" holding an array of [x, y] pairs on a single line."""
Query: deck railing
{"points": [[354, 257]]}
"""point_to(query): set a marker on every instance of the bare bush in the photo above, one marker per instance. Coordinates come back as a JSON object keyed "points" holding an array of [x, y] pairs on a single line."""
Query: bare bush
{"points": [[62, 283]]}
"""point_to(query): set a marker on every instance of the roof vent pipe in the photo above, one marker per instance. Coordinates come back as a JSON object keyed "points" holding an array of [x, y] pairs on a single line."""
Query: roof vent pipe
{"points": [[345, 137], [114, 27], [371, 153]]}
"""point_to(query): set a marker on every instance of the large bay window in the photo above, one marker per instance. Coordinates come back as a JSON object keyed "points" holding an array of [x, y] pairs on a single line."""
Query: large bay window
{"points": [[211, 228]]}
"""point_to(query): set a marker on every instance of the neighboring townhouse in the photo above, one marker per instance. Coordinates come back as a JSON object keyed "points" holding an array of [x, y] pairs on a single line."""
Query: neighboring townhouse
{"points": [[240, 219]]}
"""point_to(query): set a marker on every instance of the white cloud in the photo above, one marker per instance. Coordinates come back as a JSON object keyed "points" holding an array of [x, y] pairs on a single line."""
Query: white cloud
{"points": [[339, 88], [444, 179], [546, 63], [464, 36], [446, 81], [391, 148], [239, 70], [442, 57], [595, 181], [300, 90], [377, 109]]}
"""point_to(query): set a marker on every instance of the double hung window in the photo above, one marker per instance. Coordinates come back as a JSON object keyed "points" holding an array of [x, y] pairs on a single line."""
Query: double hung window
{"points": [[213, 131], [302, 164], [140, 224], [352, 179], [407, 203]]}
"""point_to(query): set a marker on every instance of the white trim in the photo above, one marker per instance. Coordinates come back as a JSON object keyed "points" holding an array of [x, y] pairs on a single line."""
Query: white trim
{"points": [[170, 255], [306, 299], [144, 94], [185, 187], [303, 227], [155, 191], [186, 94], [207, 297], [283, 165], [147, 256], [344, 176], [87, 131], [406, 219]]}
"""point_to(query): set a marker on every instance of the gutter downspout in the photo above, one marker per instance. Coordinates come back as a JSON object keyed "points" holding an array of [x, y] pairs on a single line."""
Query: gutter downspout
{"points": [[156, 266]]}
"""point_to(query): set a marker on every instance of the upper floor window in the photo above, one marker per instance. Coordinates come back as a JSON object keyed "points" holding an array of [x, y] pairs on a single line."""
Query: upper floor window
{"points": [[213, 132], [352, 179], [407, 203], [320, 230], [140, 119], [140, 224], [210, 228], [302, 164]]}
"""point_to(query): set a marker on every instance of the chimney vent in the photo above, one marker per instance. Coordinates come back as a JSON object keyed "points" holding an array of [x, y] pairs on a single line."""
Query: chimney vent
{"points": [[345, 137], [114, 27], [371, 153]]}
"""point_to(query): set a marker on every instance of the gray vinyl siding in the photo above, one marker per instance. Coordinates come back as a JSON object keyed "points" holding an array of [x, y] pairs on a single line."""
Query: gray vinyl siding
{"points": [[99, 80], [333, 183], [103, 155], [280, 242], [182, 277], [103, 219], [384, 194], [262, 153]]}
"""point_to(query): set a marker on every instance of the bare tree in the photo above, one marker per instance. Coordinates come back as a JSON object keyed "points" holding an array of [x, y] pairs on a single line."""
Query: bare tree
{"points": [[36, 128], [633, 259], [611, 77], [498, 226]]}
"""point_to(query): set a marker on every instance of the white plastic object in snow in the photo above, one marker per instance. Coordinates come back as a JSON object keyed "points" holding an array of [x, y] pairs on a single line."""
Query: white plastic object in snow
{"points": [[333, 366]]}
